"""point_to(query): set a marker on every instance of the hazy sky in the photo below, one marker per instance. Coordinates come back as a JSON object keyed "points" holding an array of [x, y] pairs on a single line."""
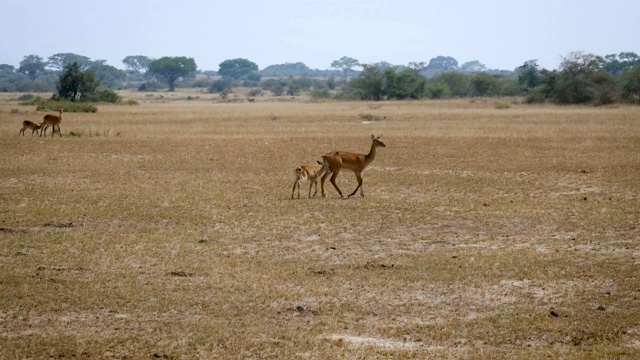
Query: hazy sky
{"points": [[502, 34]]}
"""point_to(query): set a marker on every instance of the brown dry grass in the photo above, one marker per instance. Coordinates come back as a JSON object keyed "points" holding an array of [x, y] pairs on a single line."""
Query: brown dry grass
{"points": [[167, 231]]}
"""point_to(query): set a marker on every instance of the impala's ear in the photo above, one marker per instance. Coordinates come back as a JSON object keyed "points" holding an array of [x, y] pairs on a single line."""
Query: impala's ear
{"points": [[373, 137]]}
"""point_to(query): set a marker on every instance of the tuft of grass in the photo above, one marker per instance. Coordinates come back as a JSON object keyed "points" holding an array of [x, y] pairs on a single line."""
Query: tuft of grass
{"points": [[501, 105], [368, 117]]}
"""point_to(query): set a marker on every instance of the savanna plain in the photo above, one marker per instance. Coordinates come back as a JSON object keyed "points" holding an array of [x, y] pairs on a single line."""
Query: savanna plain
{"points": [[489, 229]]}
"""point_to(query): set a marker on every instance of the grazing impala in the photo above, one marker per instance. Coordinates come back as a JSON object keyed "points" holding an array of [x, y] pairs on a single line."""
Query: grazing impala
{"points": [[53, 121], [355, 162], [30, 125], [311, 173]]}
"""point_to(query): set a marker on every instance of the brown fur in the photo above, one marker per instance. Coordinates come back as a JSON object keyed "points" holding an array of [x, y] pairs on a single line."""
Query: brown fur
{"points": [[350, 160], [30, 125], [311, 173], [53, 121]]}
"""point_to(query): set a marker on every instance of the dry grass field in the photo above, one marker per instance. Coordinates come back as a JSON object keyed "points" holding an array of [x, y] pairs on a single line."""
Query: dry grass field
{"points": [[167, 230]]}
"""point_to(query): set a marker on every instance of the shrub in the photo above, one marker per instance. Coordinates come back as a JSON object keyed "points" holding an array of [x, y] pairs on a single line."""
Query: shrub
{"points": [[106, 96], [369, 117], [320, 94], [255, 92], [54, 104], [221, 86]]}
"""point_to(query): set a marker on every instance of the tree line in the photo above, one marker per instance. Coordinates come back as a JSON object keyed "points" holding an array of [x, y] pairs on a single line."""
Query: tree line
{"points": [[581, 78]]}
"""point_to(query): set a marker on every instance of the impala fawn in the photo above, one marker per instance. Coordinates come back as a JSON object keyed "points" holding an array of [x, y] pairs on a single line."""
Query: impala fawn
{"points": [[30, 125], [311, 173]]}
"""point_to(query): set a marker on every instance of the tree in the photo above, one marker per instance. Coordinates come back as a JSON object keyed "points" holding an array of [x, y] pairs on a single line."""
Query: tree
{"points": [[136, 63], [441, 64], [172, 68], [75, 84], [108, 75], [383, 65], [237, 68], [7, 69], [221, 85], [370, 84], [276, 86], [630, 85], [58, 62], [617, 64], [483, 84], [472, 67], [288, 69], [574, 83], [406, 84], [529, 75], [345, 64], [32, 66], [457, 83], [417, 66]]}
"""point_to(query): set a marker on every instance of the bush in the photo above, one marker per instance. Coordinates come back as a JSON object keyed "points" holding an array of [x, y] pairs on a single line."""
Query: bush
{"points": [[438, 91], [320, 94], [537, 95], [107, 96], [221, 86], [255, 92], [54, 104]]}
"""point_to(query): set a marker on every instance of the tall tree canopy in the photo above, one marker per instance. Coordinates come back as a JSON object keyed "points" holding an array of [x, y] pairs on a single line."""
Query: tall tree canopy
{"points": [[172, 68], [529, 75], [442, 64], [59, 61], [136, 63], [237, 68], [76, 84], [345, 64], [32, 66]]}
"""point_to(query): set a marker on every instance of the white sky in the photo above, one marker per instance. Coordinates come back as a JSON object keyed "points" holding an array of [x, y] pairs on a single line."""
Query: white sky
{"points": [[501, 34]]}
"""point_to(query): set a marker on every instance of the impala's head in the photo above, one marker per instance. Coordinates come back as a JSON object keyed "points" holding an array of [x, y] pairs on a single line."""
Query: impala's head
{"points": [[61, 110], [377, 141], [326, 169]]}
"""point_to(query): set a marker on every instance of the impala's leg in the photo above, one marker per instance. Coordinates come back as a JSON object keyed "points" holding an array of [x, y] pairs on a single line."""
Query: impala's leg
{"points": [[44, 130], [315, 187], [21, 131], [311, 181], [324, 177], [334, 175], [359, 178], [293, 191]]}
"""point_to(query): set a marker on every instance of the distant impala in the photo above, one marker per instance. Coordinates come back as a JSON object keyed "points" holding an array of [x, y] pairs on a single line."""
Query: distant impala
{"points": [[355, 162]]}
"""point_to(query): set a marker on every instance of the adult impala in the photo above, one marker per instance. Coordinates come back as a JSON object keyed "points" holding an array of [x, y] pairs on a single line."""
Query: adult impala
{"points": [[355, 162], [53, 121], [311, 173], [30, 125]]}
